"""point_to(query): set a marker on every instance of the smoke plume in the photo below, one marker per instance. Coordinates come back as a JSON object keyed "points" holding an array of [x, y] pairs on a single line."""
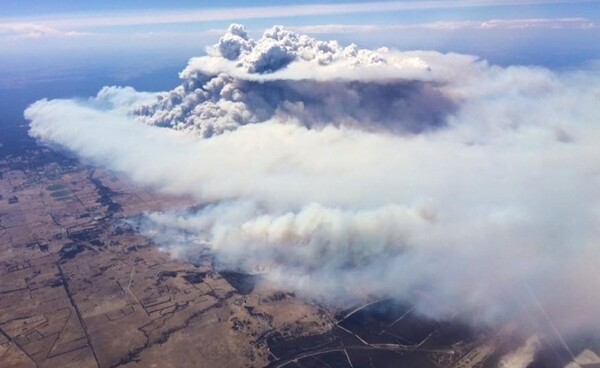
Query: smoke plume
{"points": [[341, 173]]}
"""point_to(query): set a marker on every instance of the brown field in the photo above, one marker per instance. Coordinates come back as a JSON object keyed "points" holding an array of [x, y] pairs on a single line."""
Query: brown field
{"points": [[79, 288]]}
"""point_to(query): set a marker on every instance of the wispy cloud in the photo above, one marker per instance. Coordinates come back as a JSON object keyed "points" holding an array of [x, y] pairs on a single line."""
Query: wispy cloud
{"points": [[34, 30], [86, 21], [542, 23], [535, 23], [20, 30]]}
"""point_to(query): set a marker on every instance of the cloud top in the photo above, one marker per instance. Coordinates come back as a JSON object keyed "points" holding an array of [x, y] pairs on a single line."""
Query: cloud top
{"points": [[288, 76]]}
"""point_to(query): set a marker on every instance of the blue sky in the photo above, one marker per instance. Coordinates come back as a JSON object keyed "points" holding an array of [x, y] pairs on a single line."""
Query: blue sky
{"points": [[18, 8], [429, 9], [68, 25]]}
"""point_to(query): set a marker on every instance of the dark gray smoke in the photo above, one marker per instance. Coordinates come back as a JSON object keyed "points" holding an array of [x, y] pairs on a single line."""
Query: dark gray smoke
{"points": [[398, 107]]}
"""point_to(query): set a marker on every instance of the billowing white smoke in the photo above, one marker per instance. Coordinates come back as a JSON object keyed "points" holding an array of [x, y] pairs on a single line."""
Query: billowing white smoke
{"points": [[481, 195]]}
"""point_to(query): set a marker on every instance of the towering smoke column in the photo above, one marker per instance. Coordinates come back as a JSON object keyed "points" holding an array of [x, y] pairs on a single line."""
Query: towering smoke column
{"points": [[341, 173], [289, 76]]}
